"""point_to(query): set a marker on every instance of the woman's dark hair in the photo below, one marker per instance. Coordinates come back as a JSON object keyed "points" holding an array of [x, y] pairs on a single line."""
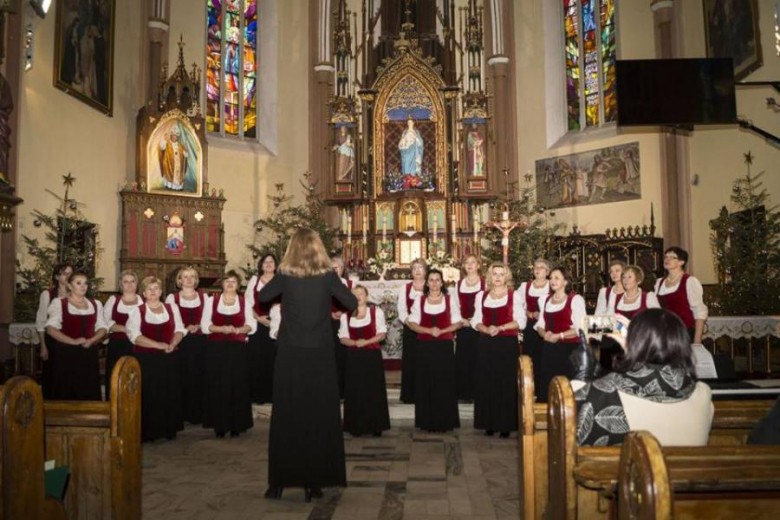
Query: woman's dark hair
{"points": [[681, 253], [262, 259], [58, 270], [565, 275], [659, 337], [76, 274], [426, 289]]}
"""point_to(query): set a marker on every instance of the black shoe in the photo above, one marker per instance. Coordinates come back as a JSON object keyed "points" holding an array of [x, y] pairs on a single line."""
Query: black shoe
{"points": [[312, 492], [220, 435], [273, 492], [504, 435], [489, 433], [234, 434]]}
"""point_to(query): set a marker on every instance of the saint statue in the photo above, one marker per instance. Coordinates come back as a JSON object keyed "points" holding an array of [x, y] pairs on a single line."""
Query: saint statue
{"points": [[476, 152], [345, 155], [173, 161], [411, 148]]}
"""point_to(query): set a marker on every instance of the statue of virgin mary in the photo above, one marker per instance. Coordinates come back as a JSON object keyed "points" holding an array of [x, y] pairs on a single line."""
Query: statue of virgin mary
{"points": [[411, 148]]}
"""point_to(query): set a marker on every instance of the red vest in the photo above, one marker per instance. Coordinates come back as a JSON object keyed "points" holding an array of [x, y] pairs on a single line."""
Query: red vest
{"points": [[409, 299], [335, 305], [677, 302], [162, 332], [560, 321], [220, 320], [264, 309], [78, 325], [441, 321], [368, 331], [499, 315], [466, 300], [190, 315], [120, 318], [630, 314], [531, 302]]}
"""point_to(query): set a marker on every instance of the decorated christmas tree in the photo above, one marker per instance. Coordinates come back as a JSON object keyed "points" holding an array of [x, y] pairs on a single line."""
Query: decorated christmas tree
{"points": [[273, 232], [68, 237], [532, 239], [746, 248]]}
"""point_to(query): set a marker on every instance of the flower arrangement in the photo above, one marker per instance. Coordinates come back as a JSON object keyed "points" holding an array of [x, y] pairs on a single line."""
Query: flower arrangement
{"points": [[379, 264]]}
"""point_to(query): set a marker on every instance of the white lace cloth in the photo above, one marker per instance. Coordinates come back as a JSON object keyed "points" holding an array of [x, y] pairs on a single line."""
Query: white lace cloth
{"points": [[742, 327]]}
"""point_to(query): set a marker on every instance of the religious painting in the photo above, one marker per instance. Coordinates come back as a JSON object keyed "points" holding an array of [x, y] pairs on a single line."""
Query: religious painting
{"points": [[475, 149], [84, 53], [174, 234], [610, 174], [731, 31], [174, 158]]}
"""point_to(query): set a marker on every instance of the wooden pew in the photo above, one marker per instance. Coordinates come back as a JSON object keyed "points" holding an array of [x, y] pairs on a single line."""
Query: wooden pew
{"points": [[707, 482], [21, 463], [731, 424], [644, 490], [101, 444]]}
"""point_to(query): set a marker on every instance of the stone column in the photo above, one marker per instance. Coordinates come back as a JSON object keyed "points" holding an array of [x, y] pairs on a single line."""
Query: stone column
{"points": [[675, 178], [157, 25], [321, 84]]}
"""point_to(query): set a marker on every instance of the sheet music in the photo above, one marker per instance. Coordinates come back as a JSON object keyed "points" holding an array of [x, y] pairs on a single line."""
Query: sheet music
{"points": [[704, 364]]}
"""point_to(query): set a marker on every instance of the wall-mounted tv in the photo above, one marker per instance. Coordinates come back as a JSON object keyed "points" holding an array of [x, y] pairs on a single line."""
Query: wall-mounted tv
{"points": [[676, 92]]}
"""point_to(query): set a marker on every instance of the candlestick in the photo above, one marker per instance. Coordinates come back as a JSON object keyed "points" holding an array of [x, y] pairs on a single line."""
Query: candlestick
{"points": [[384, 228], [349, 229]]}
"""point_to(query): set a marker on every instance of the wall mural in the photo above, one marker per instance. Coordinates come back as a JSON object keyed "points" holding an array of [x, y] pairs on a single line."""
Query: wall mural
{"points": [[609, 174]]}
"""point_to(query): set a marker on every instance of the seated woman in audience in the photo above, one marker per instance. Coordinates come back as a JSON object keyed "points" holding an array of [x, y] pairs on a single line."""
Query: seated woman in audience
{"points": [[156, 329], [77, 327], [227, 320], [365, 391], [607, 294], [115, 312], [498, 314], [58, 289], [435, 317], [652, 388]]}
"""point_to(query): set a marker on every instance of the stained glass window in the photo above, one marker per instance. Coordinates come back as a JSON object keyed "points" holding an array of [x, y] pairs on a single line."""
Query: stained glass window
{"points": [[231, 67], [590, 54]]}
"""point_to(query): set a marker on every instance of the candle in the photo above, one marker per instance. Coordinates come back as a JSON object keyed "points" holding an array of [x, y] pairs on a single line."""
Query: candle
{"points": [[349, 229], [384, 228]]}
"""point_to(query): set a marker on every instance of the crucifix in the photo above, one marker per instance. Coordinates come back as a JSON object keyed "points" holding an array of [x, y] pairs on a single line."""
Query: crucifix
{"points": [[505, 225]]}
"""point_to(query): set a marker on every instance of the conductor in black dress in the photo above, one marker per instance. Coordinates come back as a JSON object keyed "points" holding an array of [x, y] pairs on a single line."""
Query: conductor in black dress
{"points": [[306, 443]]}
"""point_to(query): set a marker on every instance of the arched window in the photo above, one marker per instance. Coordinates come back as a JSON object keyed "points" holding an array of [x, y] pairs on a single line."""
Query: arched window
{"points": [[590, 50], [231, 68]]}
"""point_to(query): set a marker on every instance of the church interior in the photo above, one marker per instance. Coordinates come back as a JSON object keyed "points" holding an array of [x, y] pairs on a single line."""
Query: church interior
{"points": [[575, 135]]}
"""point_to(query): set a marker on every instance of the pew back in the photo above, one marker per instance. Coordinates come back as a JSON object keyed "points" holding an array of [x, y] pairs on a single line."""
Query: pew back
{"points": [[644, 492]]}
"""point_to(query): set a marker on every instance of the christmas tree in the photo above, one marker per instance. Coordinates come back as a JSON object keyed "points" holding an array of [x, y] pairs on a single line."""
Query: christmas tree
{"points": [[68, 238], [532, 239], [273, 232], [746, 249]]}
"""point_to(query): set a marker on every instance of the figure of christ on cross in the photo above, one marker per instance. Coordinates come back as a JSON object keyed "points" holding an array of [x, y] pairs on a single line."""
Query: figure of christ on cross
{"points": [[506, 226]]}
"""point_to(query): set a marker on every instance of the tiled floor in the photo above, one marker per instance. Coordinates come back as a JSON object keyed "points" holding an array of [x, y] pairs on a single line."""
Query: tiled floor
{"points": [[404, 474]]}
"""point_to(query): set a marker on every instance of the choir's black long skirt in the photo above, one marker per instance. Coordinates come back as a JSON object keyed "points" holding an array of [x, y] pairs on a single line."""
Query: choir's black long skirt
{"points": [[435, 387], [47, 366], [161, 405], [408, 365], [495, 398], [75, 373], [554, 362], [532, 347], [466, 362], [262, 356], [193, 376], [117, 348], [340, 352], [229, 404], [365, 393], [306, 443]]}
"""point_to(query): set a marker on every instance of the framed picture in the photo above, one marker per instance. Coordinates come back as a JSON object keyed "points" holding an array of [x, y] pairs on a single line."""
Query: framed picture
{"points": [[174, 157], [84, 51], [731, 31]]}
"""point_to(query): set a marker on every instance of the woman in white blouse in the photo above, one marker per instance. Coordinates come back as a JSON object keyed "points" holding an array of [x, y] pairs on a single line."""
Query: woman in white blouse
{"points": [[365, 392], [58, 289], [77, 327], [606, 294], [409, 294], [681, 293], [559, 322], [262, 348], [155, 330], [115, 312], [466, 341], [530, 293], [227, 319], [633, 299], [435, 317], [498, 314]]}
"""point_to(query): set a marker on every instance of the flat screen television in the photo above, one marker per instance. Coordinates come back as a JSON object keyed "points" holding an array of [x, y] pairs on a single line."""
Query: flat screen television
{"points": [[676, 92]]}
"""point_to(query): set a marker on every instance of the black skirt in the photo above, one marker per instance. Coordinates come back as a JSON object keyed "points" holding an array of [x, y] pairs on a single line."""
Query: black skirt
{"points": [[306, 443], [365, 393], [495, 399], [262, 356], [435, 387], [228, 403], [192, 376], [408, 363], [75, 373], [161, 405], [340, 352], [46, 367], [117, 348], [466, 361], [554, 362], [532, 347]]}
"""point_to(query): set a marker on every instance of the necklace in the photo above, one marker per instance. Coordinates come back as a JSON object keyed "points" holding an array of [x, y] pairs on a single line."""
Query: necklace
{"points": [[672, 281], [631, 299], [79, 304], [155, 306], [558, 299], [496, 295]]}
